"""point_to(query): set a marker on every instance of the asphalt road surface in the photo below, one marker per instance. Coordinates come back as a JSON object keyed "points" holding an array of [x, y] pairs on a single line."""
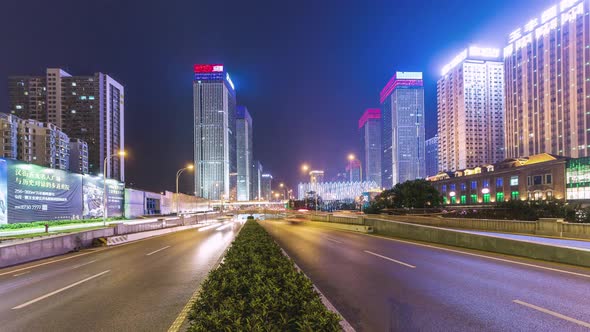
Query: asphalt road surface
{"points": [[381, 284], [140, 286]]}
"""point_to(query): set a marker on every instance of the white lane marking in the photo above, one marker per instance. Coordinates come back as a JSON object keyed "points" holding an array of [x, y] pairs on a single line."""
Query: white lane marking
{"points": [[552, 313], [331, 239], [155, 251], [49, 262], [20, 274], [60, 290], [80, 265], [390, 259], [488, 257]]}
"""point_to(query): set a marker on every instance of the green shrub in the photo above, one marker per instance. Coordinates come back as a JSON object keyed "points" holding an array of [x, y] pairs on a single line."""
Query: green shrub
{"points": [[257, 288], [51, 223]]}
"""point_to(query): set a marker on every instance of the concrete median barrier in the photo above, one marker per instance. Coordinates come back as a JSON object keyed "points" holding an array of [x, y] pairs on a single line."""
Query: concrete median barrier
{"points": [[346, 227], [489, 243]]}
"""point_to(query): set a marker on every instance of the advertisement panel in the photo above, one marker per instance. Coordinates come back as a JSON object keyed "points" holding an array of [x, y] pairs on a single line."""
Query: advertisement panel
{"points": [[37, 193], [93, 190]]}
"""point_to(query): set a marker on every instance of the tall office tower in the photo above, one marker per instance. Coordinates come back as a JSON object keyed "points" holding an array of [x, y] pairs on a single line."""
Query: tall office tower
{"points": [[256, 184], [353, 170], [370, 129], [78, 156], [431, 146], [215, 128], [316, 176], [470, 110], [548, 83], [9, 127], [266, 187], [90, 108], [43, 144], [402, 129], [244, 150]]}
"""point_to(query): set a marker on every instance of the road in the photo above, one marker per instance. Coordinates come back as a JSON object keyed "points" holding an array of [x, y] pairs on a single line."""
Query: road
{"points": [[140, 286], [382, 284]]}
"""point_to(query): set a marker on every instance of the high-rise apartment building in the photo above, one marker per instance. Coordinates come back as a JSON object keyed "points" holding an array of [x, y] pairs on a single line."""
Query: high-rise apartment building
{"points": [[78, 156], [9, 127], [354, 170], [316, 176], [266, 187], [244, 151], [402, 129], [42, 144], [470, 110], [431, 146], [370, 130], [90, 108], [215, 129], [256, 173], [548, 83]]}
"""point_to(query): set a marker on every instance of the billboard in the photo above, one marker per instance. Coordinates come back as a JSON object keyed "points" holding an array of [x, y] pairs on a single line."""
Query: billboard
{"points": [[93, 189], [36, 193]]}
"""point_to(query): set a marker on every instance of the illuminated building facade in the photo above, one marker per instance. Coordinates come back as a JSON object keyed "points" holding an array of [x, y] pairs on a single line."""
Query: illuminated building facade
{"points": [[244, 153], [470, 109], [9, 127], [91, 108], [337, 191], [316, 176], [370, 132], [215, 127], [78, 156], [538, 177], [266, 187], [431, 146], [256, 185], [402, 131], [43, 144], [548, 83]]}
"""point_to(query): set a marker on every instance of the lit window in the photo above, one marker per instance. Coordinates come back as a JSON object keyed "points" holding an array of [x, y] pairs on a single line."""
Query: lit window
{"points": [[514, 180]]}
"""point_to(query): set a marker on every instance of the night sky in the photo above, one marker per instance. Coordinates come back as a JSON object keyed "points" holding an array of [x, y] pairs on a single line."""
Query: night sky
{"points": [[306, 70]]}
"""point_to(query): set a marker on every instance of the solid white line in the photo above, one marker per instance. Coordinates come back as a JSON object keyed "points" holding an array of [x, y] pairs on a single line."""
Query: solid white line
{"points": [[153, 252], [488, 257], [390, 259], [60, 290], [330, 239], [80, 265], [553, 313], [20, 274]]}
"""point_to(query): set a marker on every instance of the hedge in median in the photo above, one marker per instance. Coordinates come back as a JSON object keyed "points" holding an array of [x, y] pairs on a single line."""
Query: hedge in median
{"points": [[257, 288]]}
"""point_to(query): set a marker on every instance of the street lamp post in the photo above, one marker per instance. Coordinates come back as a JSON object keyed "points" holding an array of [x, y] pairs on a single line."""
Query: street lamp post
{"points": [[189, 167], [104, 182]]}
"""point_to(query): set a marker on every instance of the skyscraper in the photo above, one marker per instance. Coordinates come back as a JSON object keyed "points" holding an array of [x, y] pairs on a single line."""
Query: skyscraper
{"points": [[431, 145], [370, 130], [78, 156], [256, 186], [353, 170], [402, 131], [90, 108], [9, 147], [43, 144], [266, 187], [244, 151], [215, 128], [547, 83], [470, 110]]}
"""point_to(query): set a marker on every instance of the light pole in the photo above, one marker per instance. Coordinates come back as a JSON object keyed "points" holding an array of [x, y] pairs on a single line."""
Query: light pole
{"points": [[351, 158], [189, 167], [104, 182]]}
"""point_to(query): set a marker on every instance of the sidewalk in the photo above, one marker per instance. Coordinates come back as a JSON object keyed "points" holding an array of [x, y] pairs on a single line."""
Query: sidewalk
{"points": [[570, 243]]}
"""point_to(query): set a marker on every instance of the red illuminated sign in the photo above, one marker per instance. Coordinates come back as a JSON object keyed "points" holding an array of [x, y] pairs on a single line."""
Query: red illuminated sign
{"points": [[372, 113], [216, 68]]}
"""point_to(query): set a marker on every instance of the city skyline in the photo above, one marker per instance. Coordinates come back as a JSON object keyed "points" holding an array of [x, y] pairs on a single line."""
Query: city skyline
{"points": [[253, 75]]}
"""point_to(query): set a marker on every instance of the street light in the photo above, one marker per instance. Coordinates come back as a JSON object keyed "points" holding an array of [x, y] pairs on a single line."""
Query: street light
{"points": [[351, 158], [120, 154], [189, 167]]}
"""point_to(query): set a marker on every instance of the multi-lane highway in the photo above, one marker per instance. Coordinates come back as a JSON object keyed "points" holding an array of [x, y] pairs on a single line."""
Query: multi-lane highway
{"points": [[140, 286], [381, 284]]}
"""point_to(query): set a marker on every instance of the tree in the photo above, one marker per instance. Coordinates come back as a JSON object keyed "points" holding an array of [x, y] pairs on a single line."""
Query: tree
{"points": [[410, 194]]}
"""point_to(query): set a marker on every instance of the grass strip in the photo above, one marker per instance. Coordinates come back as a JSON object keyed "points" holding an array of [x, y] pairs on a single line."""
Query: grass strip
{"points": [[257, 288]]}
